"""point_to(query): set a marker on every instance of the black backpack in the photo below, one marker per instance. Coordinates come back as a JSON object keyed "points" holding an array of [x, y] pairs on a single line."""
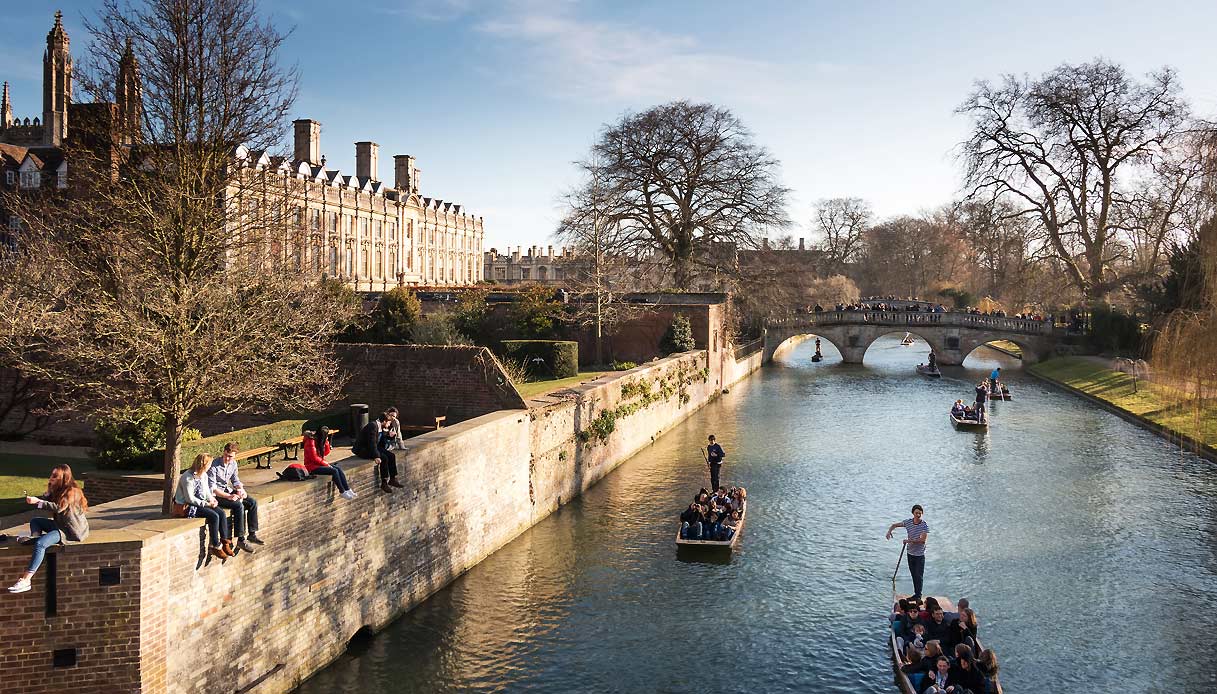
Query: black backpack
{"points": [[293, 474]]}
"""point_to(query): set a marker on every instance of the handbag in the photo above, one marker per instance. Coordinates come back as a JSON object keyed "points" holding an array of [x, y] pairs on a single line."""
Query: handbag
{"points": [[177, 510]]}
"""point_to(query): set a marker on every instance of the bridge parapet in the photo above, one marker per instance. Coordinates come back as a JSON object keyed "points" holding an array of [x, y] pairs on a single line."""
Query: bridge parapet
{"points": [[899, 319]]}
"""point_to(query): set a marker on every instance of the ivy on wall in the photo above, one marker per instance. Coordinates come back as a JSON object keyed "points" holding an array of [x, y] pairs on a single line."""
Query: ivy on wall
{"points": [[639, 393]]}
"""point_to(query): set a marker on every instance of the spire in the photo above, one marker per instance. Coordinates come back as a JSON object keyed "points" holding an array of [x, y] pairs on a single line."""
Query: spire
{"points": [[56, 84], [128, 96], [6, 109]]}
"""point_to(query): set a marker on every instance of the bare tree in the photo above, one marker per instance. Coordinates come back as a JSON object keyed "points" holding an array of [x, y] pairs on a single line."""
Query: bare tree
{"points": [[1065, 148], [681, 178], [165, 274], [841, 223]]}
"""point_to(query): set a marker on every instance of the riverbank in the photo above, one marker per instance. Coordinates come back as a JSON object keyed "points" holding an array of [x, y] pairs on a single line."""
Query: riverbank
{"points": [[131, 607], [1150, 405]]}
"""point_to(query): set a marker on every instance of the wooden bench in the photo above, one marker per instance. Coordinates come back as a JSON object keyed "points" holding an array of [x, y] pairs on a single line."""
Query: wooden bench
{"points": [[439, 424], [257, 454], [293, 445]]}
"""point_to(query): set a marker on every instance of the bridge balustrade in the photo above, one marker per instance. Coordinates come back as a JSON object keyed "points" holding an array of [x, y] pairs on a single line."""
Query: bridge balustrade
{"points": [[911, 318]]}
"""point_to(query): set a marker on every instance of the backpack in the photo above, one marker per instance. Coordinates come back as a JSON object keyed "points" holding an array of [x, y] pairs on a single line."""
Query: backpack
{"points": [[293, 474]]}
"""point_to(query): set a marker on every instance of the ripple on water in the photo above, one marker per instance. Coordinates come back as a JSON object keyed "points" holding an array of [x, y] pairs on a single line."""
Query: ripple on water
{"points": [[1087, 545]]}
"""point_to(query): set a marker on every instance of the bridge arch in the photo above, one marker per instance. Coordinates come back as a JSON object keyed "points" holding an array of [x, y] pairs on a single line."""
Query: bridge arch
{"points": [[926, 336], [1029, 347], [790, 340]]}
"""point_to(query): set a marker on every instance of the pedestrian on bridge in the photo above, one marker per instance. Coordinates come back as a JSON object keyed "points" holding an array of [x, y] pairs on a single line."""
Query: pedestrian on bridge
{"points": [[714, 457]]}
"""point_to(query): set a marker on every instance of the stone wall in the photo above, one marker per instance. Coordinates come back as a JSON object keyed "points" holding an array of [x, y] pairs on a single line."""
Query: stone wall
{"points": [[102, 487], [331, 567]]}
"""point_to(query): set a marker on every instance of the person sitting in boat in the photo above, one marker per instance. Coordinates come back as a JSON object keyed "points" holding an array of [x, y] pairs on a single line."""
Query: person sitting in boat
{"points": [[986, 663], [958, 410], [703, 497], [963, 628], [709, 519], [964, 675], [730, 525], [906, 618], [936, 627], [690, 523], [937, 676], [737, 498], [915, 643], [722, 499], [933, 651]]}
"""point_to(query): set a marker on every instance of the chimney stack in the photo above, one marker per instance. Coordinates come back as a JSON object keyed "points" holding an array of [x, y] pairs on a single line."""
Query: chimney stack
{"points": [[801, 248], [308, 140], [405, 173], [550, 253], [367, 160]]}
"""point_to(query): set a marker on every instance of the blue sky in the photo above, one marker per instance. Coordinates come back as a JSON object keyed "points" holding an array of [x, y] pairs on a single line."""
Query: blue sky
{"points": [[496, 99]]}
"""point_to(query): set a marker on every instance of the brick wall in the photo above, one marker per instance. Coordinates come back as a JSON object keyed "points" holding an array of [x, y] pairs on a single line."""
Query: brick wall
{"points": [[331, 567], [103, 488]]}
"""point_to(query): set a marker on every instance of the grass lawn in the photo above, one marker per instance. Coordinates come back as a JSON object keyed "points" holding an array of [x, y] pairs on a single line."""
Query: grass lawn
{"points": [[21, 473], [1008, 346], [1156, 403], [535, 388]]}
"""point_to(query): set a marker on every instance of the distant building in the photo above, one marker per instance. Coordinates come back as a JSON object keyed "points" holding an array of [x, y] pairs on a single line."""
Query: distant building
{"points": [[517, 267]]}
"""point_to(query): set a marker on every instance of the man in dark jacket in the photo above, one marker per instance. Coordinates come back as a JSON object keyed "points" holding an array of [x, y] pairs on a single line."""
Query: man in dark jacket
{"points": [[937, 628], [367, 445], [714, 456], [965, 676]]}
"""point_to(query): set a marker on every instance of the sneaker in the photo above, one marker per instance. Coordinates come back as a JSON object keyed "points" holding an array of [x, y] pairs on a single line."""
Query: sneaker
{"points": [[348, 494], [20, 586], [253, 537], [245, 546], [384, 487], [24, 539]]}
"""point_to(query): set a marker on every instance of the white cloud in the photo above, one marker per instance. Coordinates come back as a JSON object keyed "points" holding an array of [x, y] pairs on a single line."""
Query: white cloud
{"points": [[563, 55]]}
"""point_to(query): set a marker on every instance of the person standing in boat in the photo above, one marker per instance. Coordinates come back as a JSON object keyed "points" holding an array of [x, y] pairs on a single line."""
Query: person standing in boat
{"points": [[714, 457], [982, 393], [933, 360], [993, 376], [918, 531]]}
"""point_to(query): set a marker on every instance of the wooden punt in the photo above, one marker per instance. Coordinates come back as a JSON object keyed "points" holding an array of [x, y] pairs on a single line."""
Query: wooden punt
{"points": [[968, 423], [902, 680], [927, 370], [715, 544], [817, 357]]}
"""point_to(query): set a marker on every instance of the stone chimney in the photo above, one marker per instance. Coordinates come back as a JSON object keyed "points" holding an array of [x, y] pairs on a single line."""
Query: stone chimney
{"points": [[801, 248], [367, 160], [765, 243], [550, 252], [405, 173], [515, 255], [308, 140], [6, 109]]}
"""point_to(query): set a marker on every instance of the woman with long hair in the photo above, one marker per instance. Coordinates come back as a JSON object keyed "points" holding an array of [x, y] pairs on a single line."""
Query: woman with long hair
{"points": [[67, 525], [316, 448], [194, 493]]}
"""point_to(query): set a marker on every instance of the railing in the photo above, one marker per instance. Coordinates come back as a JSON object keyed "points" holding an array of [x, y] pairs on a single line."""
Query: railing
{"points": [[749, 348], [914, 318]]}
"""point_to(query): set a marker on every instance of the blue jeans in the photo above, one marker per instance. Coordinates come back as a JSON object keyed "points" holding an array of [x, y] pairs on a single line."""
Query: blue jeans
{"points": [[217, 522], [51, 536], [340, 477], [690, 531]]}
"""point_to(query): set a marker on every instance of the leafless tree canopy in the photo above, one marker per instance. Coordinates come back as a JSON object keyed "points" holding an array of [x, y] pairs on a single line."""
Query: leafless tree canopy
{"points": [[681, 177], [840, 223], [165, 275], [1074, 149]]}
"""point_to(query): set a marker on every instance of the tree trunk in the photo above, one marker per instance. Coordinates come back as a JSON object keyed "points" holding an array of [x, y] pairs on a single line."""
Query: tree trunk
{"points": [[173, 458], [599, 330], [682, 271]]}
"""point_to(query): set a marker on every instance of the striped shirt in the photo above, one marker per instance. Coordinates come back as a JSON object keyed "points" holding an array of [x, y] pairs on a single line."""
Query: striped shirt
{"points": [[917, 531]]}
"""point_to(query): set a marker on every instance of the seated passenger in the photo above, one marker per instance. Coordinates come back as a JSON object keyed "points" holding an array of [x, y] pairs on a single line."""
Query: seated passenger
{"points": [[936, 679], [912, 663], [690, 523], [730, 525], [963, 628], [711, 518], [957, 409], [915, 643], [194, 493], [936, 627], [68, 525], [987, 663], [903, 623], [316, 448], [933, 651], [965, 675]]}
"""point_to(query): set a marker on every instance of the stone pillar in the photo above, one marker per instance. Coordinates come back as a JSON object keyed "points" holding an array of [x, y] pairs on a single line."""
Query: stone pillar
{"points": [[367, 160], [308, 140]]}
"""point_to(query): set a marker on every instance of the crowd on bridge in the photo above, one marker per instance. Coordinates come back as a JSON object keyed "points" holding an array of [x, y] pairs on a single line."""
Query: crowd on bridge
{"points": [[883, 306]]}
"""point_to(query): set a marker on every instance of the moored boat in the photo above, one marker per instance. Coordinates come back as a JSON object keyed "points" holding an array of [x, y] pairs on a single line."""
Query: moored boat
{"points": [[727, 545], [930, 371], [817, 357], [911, 684]]}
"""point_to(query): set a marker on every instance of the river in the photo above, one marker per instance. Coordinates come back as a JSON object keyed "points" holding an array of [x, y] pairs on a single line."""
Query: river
{"points": [[1087, 546]]}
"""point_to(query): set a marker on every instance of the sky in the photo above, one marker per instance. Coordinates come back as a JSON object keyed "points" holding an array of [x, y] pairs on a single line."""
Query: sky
{"points": [[497, 100]]}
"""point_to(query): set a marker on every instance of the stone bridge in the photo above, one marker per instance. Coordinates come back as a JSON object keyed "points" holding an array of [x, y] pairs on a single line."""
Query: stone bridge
{"points": [[952, 336]]}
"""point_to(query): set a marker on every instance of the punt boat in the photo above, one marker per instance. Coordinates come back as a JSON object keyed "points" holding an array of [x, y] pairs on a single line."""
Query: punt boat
{"points": [[930, 371], [961, 423], [902, 679], [727, 545]]}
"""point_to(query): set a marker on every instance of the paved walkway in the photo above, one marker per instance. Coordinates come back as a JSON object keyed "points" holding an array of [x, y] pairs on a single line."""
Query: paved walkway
{"points": [[31, 448]]}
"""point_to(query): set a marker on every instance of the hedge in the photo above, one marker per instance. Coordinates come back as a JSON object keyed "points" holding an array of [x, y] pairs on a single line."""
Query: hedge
{"points": [[253, 437], [559, 358]]}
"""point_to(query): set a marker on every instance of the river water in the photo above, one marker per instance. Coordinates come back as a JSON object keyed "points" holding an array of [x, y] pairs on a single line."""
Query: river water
{"points": [[1087, 546]]}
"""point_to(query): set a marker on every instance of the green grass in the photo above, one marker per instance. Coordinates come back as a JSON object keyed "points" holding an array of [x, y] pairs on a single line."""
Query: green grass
{"points": [[535, 388], [28, 473], [1157, 403], [1008, 346]]}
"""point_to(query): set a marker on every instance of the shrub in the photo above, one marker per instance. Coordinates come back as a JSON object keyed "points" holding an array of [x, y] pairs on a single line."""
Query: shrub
{"points": [[558, 358], [535, 314], [1114, 331], [623, 365], [133, 439], [437, 329], [394, 317], [472, 317], [679, 337]]}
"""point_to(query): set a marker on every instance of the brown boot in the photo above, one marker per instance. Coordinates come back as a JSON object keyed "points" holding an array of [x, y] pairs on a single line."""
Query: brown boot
{"points": [[227, 548], [218, 553]]}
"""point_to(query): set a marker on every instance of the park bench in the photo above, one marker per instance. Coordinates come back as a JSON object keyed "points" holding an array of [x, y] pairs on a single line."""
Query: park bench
{"points": [[439, 424], [257, 454], [291, 447]]}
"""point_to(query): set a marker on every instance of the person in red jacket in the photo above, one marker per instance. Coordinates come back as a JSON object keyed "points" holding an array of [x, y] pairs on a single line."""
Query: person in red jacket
{"points": [[316, 448]]}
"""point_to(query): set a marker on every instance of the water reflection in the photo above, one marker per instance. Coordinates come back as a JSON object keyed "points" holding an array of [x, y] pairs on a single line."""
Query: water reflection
{"points": [[1087, 545]]}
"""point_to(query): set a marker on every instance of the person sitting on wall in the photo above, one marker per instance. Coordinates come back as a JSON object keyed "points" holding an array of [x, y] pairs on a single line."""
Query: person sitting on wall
{"points": [[194, 499], [395, 421], [228, 490], [67, 524], [368, 445], [386, 441], [316, 448]]}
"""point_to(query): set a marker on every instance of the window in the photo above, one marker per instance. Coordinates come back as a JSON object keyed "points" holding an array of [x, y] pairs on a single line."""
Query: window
{"points": [[333, 260], [500, 273], [350, 269], [378, 230], [10, 177], [30, 179], [14, 223], [61, 179], [380, 263], [524, 273], [333, 222]]}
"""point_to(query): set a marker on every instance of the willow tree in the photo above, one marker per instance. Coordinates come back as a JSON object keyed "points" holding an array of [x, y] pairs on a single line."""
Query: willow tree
{"points": [[167, 273], [680, 178], [1073, 149]]}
